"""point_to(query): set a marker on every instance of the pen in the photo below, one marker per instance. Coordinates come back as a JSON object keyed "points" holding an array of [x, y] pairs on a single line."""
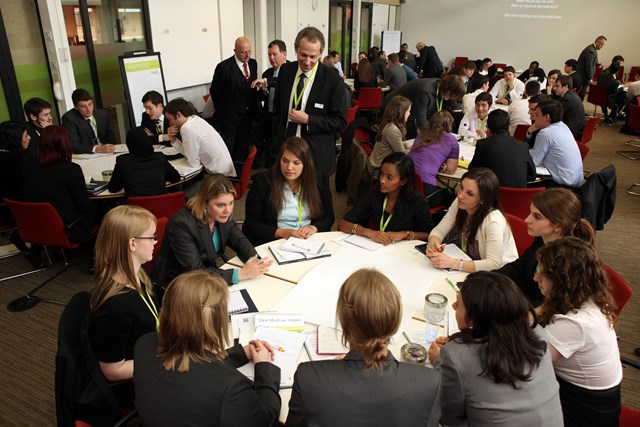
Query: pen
{"points": [[301, 247], [453, 285], [277, 347]]}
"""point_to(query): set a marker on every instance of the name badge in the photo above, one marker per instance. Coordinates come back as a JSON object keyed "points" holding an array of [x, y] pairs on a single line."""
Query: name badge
{"points": [[321, 106]]}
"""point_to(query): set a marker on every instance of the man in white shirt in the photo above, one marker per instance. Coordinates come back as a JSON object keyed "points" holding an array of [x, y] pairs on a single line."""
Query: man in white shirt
{"points": [[519, 110], [336, 62], [475, 122], [479, 84], [508, 89], [200, 142]]}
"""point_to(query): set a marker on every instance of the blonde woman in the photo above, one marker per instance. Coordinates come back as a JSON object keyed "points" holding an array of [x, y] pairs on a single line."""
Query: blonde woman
{"points": [[184, 375]]}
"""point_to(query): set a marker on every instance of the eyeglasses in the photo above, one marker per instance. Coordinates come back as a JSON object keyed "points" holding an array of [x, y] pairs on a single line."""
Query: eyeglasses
{"points": [[154, 238]]}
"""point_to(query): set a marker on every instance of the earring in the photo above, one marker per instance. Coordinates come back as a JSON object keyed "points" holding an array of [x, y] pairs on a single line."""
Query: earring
{"points": [[556, 230]]}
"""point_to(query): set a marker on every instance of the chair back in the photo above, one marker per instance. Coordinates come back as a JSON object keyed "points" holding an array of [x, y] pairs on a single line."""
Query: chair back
{"points": [[516, 201], [589, 128], [597, 95], [632, 73], [351, 114], [521, 132], [620, 289], [40, 224], [164, 205], [459, 61], [417, 183], [596, 74], [160, 227], [629, 417], [634, 116], [584, 149], [242, 186], [369, 98], [620, 74], [520, 234]]}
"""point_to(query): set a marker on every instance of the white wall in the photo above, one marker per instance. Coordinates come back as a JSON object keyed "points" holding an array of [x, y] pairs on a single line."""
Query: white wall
{"points": [[380, 23], [479, 29], [294, 15]]}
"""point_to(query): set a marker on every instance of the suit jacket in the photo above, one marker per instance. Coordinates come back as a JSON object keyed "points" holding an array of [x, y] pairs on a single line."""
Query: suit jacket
{"points": [[34, 132], [587, 63], [142, 176], [82, 135], [429, 62], [261, 220], [573, 113], [345, 393], [507, 157], [147, 123], [422, 94], [394, 77], [233, 98], [378, 66], [210, 394], [327, 112], [576, 81], [187, 246]]}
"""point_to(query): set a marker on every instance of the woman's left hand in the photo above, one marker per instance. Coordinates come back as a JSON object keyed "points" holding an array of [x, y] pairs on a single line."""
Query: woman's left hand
{"points": [[305, 231], [396, 236], [442, 260], [434, 351]]}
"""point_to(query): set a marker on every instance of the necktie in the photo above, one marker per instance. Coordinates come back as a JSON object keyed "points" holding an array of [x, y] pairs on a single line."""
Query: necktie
{"points": [[95, 135], [247, 76], [159, 127], [292, 127]]}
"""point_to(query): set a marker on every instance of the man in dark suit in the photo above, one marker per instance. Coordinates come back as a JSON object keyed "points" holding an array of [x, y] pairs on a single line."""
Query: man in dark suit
{"points": [[153, 120], [38, 112], [310, 102], [572, 107], [429, 63], [588, 61], [89, 128], [503, 154], [268, 83], [570, 67], [234, 100]]}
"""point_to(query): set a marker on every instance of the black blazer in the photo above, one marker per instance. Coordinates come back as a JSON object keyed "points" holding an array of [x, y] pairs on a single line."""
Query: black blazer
{"points": [[522, 271], [147, 123], [34, 132], [81, 132], [345, 393], [187, 246], [573, 113], [327, 112], [261, 220], [232, 97], [142, 176], [508, 157], [429, 63]]}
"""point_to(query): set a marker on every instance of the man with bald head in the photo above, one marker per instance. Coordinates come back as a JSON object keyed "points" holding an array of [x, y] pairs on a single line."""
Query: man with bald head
{"points": [[234, 100]]}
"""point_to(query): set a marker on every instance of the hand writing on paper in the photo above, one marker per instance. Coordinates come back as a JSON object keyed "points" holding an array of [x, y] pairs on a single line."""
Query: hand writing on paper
{"points": [[434, 350], [254, 267], [434, 248], [441, 260]]}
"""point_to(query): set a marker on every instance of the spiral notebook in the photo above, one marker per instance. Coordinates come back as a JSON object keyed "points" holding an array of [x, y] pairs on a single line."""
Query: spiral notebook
{"points": [[240, 302]]}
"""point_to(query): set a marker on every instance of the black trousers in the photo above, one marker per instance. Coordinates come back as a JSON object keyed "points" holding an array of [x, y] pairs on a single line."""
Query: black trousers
{"points": [[583, 407]]}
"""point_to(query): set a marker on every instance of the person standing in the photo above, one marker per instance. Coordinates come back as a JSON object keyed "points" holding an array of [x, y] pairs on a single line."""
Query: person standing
{"points": [[309, 102], [588, 61], [234, 100], [429, 63]]}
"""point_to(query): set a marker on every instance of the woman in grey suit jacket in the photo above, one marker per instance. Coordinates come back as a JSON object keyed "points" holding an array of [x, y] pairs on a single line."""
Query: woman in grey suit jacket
{"points": [[200, 232], [497, 370], [368, 387]]}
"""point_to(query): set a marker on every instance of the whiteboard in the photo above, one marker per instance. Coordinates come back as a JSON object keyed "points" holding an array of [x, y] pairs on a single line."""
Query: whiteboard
{"points": [[141, 72], [391, 41]]}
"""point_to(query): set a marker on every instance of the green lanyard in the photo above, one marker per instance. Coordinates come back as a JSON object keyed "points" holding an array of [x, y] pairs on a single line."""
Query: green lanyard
{"points": [[438, 103], [300, 206], [383, 225], [152, 308], [297, 97]]}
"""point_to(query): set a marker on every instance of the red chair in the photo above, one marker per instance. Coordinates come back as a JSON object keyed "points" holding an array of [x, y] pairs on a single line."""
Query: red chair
{"points": [[590, 127], [521, 132], [632, 73], [620, 74], [620, 289], [164, 205], [629, 417], [598, 97], [364, 138], [459, 61], [597, 74], [584, 149], [160, 227], [351, 114], [520, 234], [39, 224], [370, 98], [516, 201], [242, 184], [500, 67]]}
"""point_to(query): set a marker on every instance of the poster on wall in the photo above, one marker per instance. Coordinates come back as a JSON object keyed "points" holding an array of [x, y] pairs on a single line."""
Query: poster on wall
{"points": [[141, 72]]}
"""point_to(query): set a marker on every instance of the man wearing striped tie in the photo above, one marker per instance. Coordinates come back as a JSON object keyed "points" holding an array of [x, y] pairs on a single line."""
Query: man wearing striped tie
{"points": [[153, 120], [234, 100]]}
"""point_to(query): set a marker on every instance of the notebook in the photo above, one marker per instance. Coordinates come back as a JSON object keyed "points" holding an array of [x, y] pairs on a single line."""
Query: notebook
{"points": [[363, 242], [240, 302], [303, 246], [96, 187], [286, 257], [329, 341]]}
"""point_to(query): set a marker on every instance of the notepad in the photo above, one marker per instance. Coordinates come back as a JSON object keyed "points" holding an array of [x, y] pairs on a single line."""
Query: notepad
{"points": [[329, 341], [286, 257], [96, 187], [240, 302], [363, 242], [311, 345], [450, 249], [303, 246]]}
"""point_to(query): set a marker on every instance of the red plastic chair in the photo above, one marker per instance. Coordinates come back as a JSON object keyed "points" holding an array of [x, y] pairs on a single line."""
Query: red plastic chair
{"points": [[521, 132], [620, 74], [598, 97], [459, 61], [351, 114], [597, 73], [364, 137], [160, 227], [520, 234], [242, 184], [629, 417], [584, 149], [164, 205], [516, 201], [632, 72], [590, 127], [620, 289], [370, 98], [39, 224]]}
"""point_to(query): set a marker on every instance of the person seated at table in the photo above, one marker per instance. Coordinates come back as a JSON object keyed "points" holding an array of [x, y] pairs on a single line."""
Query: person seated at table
{"points": [[142, 172], [555, 213], [394, 210], [468, 70], [615, 93], [533, 72], [368, 386], [200, 232], [497, 370], [571, 68], [288, 200], [53, 178], [406, 62], [479, 84], [391, 134], [123, 304], [476, 224], [551, 82], [89, 127], [519, 110], [436, 150], [474, 123], [364, 76], [38, 112], [153, 120], [394, 75], [184, 376], [578, 314], [532, 132], [507, 89], [572, 106]]}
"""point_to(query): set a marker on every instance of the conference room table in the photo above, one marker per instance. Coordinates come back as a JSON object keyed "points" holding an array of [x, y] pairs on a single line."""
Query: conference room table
{"points": [[311, 287], [94, 164]]}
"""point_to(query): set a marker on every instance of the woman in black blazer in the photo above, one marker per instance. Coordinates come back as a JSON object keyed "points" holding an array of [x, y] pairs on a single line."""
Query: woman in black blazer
{"points": [[287, 200], [142, 172], [183, 374], [368, 387], [200, 232]]}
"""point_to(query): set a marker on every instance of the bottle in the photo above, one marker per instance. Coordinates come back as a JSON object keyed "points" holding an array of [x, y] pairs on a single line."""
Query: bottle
{"points": [[465, 132]]}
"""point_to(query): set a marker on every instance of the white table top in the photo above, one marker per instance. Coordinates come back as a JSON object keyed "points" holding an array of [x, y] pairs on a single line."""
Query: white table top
{"points": [[269, 290]]}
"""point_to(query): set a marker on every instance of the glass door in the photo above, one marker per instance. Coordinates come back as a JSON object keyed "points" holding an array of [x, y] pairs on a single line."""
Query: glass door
{"points": [[341, 27]]}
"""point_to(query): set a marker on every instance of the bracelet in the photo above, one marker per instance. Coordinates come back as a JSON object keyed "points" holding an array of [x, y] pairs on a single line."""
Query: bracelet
{"points": [[354, 228], [406, 235], [460, 266], [413, 235]]}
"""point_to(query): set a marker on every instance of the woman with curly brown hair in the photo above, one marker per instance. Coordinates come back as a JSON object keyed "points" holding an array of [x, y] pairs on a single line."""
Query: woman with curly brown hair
{"points": [[578, 315]]}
